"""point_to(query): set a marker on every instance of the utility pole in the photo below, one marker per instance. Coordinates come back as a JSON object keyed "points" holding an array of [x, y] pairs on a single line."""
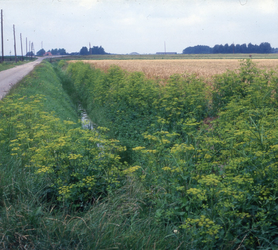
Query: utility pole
{"points": [[15, 45], [33, 49], [2, 36], [21, 46], [164, 47], [26, 48], [90, 49]]}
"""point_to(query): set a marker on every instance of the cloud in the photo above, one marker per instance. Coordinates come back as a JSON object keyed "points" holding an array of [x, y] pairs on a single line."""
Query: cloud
{"points": [[88, 4], [123, 26], [268, 7]]}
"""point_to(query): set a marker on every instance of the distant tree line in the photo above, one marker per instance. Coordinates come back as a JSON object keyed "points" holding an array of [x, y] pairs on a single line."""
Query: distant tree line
{"points": [[95, 50], [30, 54], [199, 49], [41, 52], [58, 51], [226, 49]]}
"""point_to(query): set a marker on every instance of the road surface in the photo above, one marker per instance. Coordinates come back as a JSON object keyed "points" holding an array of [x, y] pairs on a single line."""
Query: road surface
{"points": [[10, 77]]}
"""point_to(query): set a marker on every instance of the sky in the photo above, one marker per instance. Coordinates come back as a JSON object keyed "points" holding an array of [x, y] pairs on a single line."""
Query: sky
{"points": [[145, 27]]}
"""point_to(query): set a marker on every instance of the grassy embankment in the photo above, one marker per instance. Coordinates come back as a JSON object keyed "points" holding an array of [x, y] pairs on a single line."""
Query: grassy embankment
{"points": [[44, 153], [10, 64]]}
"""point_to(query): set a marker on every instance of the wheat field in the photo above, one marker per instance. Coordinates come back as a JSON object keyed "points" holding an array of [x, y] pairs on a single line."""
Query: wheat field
{"points": [[165, 68]]}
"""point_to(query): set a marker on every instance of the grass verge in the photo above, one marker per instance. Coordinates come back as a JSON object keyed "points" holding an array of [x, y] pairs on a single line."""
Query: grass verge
{"points": [[31, 217], [10, 64]]}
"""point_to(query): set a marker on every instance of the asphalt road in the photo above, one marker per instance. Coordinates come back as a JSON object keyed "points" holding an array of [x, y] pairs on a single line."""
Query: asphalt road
{"points": [[10, 77]]}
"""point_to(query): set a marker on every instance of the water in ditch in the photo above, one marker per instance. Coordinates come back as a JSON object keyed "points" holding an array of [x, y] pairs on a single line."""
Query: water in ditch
{"points": [[86, 122]]}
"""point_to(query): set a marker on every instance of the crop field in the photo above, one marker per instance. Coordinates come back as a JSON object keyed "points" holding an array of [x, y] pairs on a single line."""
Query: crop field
{"points": [[164, 68], [172, 56]]}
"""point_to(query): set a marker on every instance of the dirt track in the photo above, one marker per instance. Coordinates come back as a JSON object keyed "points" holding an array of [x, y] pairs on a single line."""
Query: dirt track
{"points": [[10, 77]]}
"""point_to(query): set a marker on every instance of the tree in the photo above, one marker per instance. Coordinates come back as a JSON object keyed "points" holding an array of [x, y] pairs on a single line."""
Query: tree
{"points": [[243, 48], [84, 51], [58, 52], [226, 48], [265, 48], [62, 52], [41, 52], [215, 49], [251, 48], [30, 54], [98, 50], [199, 49], [237, 48], [219, 48]]}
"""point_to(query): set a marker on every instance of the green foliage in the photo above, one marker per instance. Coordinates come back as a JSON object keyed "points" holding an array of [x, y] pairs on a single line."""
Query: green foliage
{"points": [[192, 183], [40, 157], [130, 104], [237, 85], [80, 164], [10, 64], [41, 52], [216, 181], [58, 51]]}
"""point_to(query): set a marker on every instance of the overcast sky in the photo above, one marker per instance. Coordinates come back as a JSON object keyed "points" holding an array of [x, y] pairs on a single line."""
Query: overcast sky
{"points": [[125, 26]]}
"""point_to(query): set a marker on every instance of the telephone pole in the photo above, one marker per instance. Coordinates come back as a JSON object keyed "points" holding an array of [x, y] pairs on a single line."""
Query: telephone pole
{"points": [[2, 36], [21, 46], [15, 45], [26, 49], [33, 49]]}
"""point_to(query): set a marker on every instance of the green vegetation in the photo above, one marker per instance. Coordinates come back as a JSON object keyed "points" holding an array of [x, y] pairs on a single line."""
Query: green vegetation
{"points": [[53, 52], [49, 164], [230, 49], [214, 181], [95, 50], [173, 164], [10, 64]]}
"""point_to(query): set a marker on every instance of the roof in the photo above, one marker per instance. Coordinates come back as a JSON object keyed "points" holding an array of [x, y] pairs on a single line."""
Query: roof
{"points": [[47, 53]]}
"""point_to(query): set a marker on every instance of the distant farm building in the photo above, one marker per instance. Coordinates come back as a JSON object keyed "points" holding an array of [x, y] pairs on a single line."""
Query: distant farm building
{"points": [[166, 53], [47, 54]]}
